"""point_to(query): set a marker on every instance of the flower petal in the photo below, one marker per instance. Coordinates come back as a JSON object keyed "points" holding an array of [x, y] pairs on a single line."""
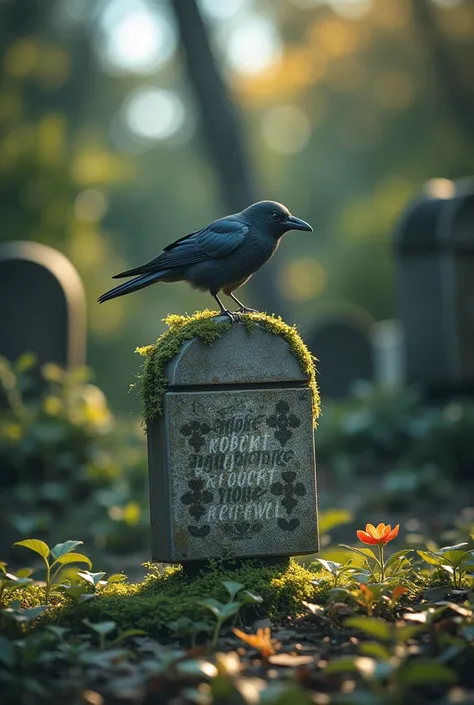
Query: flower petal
{"points": [[372, 531], [393, 533], [380, 529], [366, 538]]}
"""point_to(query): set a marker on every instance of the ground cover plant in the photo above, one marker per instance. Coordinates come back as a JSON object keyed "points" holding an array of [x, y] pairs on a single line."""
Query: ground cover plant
{"points": [[379, 626]]}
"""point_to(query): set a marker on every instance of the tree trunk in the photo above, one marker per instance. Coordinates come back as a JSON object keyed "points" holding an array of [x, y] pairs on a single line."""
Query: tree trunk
{"points": [[222, 131]]}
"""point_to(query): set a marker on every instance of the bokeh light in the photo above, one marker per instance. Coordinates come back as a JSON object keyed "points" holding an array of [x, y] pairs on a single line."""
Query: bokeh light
{"points": [[90, 205], [137, 38], [253, 45], [286, 129], [154, 114], [440, 188], [302, 279]]}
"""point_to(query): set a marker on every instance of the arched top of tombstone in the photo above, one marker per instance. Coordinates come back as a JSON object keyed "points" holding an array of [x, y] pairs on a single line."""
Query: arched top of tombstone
{"points": [[258, 350], [49, 303], [438, 219]]}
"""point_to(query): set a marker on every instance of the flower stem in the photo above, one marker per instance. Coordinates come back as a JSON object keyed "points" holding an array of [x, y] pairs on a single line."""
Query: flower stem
{"points": [[382, 564]]}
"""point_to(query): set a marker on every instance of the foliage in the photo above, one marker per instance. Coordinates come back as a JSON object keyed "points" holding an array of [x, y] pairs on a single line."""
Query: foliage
{"points": [[67, 464], [153, 381], [380, 642], [420, 446]]}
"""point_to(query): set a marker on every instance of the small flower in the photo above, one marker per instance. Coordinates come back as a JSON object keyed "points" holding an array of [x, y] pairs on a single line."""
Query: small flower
{"points": [[378, 536], [261, 641]]}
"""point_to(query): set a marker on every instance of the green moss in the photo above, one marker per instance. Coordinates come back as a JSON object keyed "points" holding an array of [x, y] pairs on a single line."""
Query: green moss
{"points": [[203, 325], [162, 598]]}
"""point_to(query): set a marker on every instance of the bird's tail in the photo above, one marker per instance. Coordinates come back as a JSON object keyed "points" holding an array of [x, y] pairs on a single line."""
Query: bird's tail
{"points": [[133, 285]]}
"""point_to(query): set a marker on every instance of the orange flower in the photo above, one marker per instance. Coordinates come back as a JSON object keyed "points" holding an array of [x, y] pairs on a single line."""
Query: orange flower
{"points": [[261, 641], [378, 536]]}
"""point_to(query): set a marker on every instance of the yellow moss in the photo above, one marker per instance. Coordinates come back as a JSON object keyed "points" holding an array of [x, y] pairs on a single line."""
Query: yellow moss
{"points": [[203, 325]]}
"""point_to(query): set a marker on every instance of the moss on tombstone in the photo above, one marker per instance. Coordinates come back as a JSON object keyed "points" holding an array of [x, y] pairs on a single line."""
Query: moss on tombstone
{"points": [[164, 597], [203, 325]]}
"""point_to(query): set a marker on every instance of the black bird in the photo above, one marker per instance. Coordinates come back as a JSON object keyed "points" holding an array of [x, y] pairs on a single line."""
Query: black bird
{"points": [[220, 257]]}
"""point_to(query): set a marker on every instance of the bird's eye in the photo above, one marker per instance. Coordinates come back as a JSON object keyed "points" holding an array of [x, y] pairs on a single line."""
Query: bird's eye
{"points": [[274, 215]]}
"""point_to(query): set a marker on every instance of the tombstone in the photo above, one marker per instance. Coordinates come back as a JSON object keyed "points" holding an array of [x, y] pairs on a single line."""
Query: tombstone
{"points": [[341, 342], [231, 459], [42, 305], [435, 288], [387, 346]]}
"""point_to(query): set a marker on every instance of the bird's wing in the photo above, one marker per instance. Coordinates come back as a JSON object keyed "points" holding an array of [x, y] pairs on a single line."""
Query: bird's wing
{"points": [[216, 240]]}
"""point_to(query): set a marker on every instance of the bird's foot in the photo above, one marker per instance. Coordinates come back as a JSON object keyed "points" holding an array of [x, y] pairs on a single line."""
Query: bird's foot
{"points": [[234, 317], [245, 309]]}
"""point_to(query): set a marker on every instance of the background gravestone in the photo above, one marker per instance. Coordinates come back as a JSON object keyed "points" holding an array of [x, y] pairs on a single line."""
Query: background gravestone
{"points": [[231, 460], [42, 305], [341, 342], [435, 290]]}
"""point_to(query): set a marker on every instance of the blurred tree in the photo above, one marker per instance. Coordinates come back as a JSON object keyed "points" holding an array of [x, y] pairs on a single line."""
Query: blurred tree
{"points": [[223, 131]]}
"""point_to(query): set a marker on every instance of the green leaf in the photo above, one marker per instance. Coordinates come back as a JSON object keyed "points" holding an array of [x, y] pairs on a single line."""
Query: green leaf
{"points": [[61, 548], [59, 632], [249, 597], [331, 566], [31, 613], [446, 549], [341, 665], [211, 604], [426, 672], [36, 546], [455, 558], [375, 649], [395, 556], [429, 557], [377, 628], [117, 578], [230, 609], [91, 578], [73, 558], [404, 633], [100, 627], [127, 633], [232, 587], [364, 552]]}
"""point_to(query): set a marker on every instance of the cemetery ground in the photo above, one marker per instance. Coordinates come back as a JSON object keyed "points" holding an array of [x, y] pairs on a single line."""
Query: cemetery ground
{"points": [[372, 618]]}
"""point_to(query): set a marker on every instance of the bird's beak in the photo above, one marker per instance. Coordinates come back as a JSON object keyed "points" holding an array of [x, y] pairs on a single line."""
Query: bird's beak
{"points": [[297, 224]]}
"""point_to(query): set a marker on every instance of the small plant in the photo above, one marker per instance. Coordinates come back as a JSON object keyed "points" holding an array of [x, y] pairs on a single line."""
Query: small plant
{"points": [[377, 568], [105, 628], [55, 559], [455, 561], [224, 611]]}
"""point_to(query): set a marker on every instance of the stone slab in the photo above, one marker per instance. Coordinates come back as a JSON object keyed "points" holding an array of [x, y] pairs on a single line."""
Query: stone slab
{"points": [[238, 357], [232, 473], [42, 305]]}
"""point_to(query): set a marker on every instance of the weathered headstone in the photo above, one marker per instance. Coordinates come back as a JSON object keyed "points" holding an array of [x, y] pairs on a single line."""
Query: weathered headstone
{"points": [[231, 459], [42, 305], [435, 288], [342, 345]]}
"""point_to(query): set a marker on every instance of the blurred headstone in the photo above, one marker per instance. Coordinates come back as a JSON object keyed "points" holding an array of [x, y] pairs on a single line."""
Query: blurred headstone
{"points": [[231, 459], [341, 342], [435, 287], [387, 345], [42, 305]]}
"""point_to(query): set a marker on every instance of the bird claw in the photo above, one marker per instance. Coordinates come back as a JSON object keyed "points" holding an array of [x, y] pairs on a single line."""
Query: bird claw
{"points": [[234, 317], [244, 309]]}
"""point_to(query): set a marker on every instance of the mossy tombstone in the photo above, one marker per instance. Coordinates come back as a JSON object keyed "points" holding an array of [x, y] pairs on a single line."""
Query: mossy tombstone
{"points": [[230, 413]]}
